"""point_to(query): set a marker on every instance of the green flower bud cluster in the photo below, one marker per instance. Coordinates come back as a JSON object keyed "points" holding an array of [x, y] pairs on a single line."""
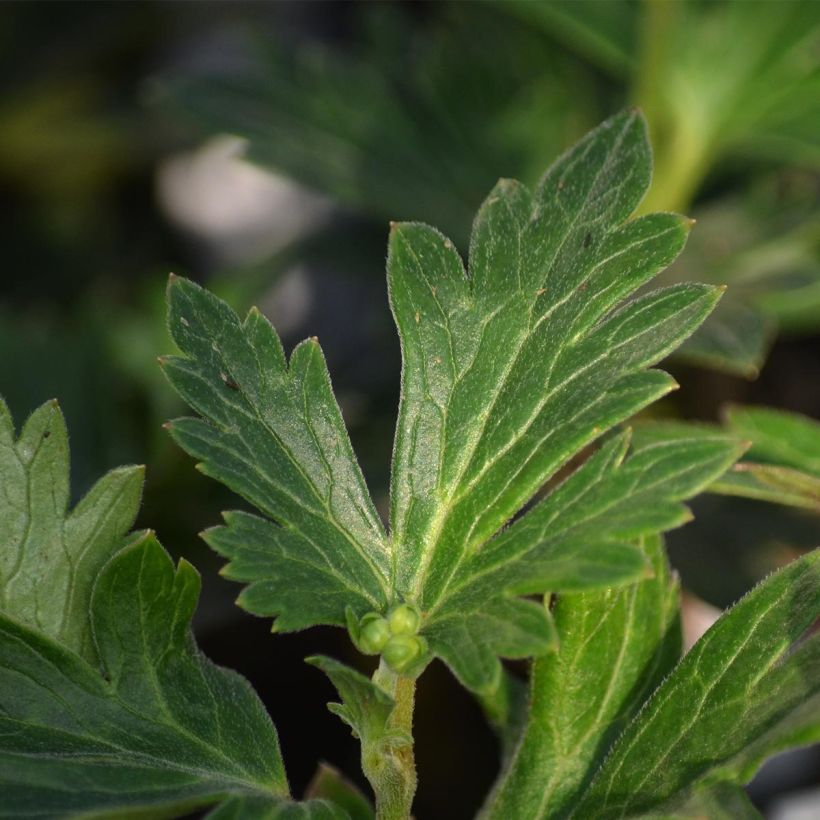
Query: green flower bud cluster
{"points": [[395, 637]]}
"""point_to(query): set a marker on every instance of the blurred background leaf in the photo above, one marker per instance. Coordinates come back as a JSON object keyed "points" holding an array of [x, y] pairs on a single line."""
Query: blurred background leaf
{"points": [[417, 122]]}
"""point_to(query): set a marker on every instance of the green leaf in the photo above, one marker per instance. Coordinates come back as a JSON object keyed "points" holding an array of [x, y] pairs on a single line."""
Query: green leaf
{"points": [[605, 31], [330, 784], [784, 460], [262, 808], [724, 801], [767, 482], [615, 648], [382, 724], [784, 438], [600, 508], [161, 731], [763, 245], [471, 642], [509, 373], [747, 690], [374, 125], [735, 339], [50, 557], [778, 437], [579, 537], [745, 83], [272, 432], [366, 707]]}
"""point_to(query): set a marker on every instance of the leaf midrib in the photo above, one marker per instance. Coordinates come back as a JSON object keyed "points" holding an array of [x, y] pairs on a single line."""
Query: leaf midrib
{"points": [[446, 505]]}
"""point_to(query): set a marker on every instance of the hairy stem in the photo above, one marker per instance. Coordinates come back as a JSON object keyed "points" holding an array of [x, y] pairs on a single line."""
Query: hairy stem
{"points": [[391, 767]]}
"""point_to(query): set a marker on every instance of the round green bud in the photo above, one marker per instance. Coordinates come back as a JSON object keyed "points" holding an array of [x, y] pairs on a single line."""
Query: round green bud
{"points": [[402, 651], [374, 633], [404, 620]]}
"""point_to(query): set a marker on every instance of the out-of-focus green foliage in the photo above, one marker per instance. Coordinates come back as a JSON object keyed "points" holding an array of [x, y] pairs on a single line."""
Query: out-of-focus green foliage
{"points": [[399, 111], [423, 117], [398, 137], [782, 464]]}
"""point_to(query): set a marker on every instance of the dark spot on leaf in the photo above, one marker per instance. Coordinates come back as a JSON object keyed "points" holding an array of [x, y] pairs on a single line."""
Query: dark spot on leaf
{"points": [[47, 433], [229, 382], [587, 240]]}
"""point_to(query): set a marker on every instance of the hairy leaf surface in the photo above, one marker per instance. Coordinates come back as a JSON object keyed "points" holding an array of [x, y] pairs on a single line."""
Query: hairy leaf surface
{"points": [[748, 689], [580, 537], [365, 707], [507, 373], [616, 646], [161, 729], [272, 432], [50, 557], [511, 368]]}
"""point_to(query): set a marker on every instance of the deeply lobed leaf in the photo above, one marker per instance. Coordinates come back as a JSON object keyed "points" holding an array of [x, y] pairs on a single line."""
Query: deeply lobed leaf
{"points": [[107, 707], [274, 434], [50, 557], [162, 729], [580, 537], [509, 373]]}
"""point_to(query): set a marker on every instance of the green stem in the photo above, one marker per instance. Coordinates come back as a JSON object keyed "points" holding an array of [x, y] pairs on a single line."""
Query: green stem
{"points": [[391, 767], [677, 125]]}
